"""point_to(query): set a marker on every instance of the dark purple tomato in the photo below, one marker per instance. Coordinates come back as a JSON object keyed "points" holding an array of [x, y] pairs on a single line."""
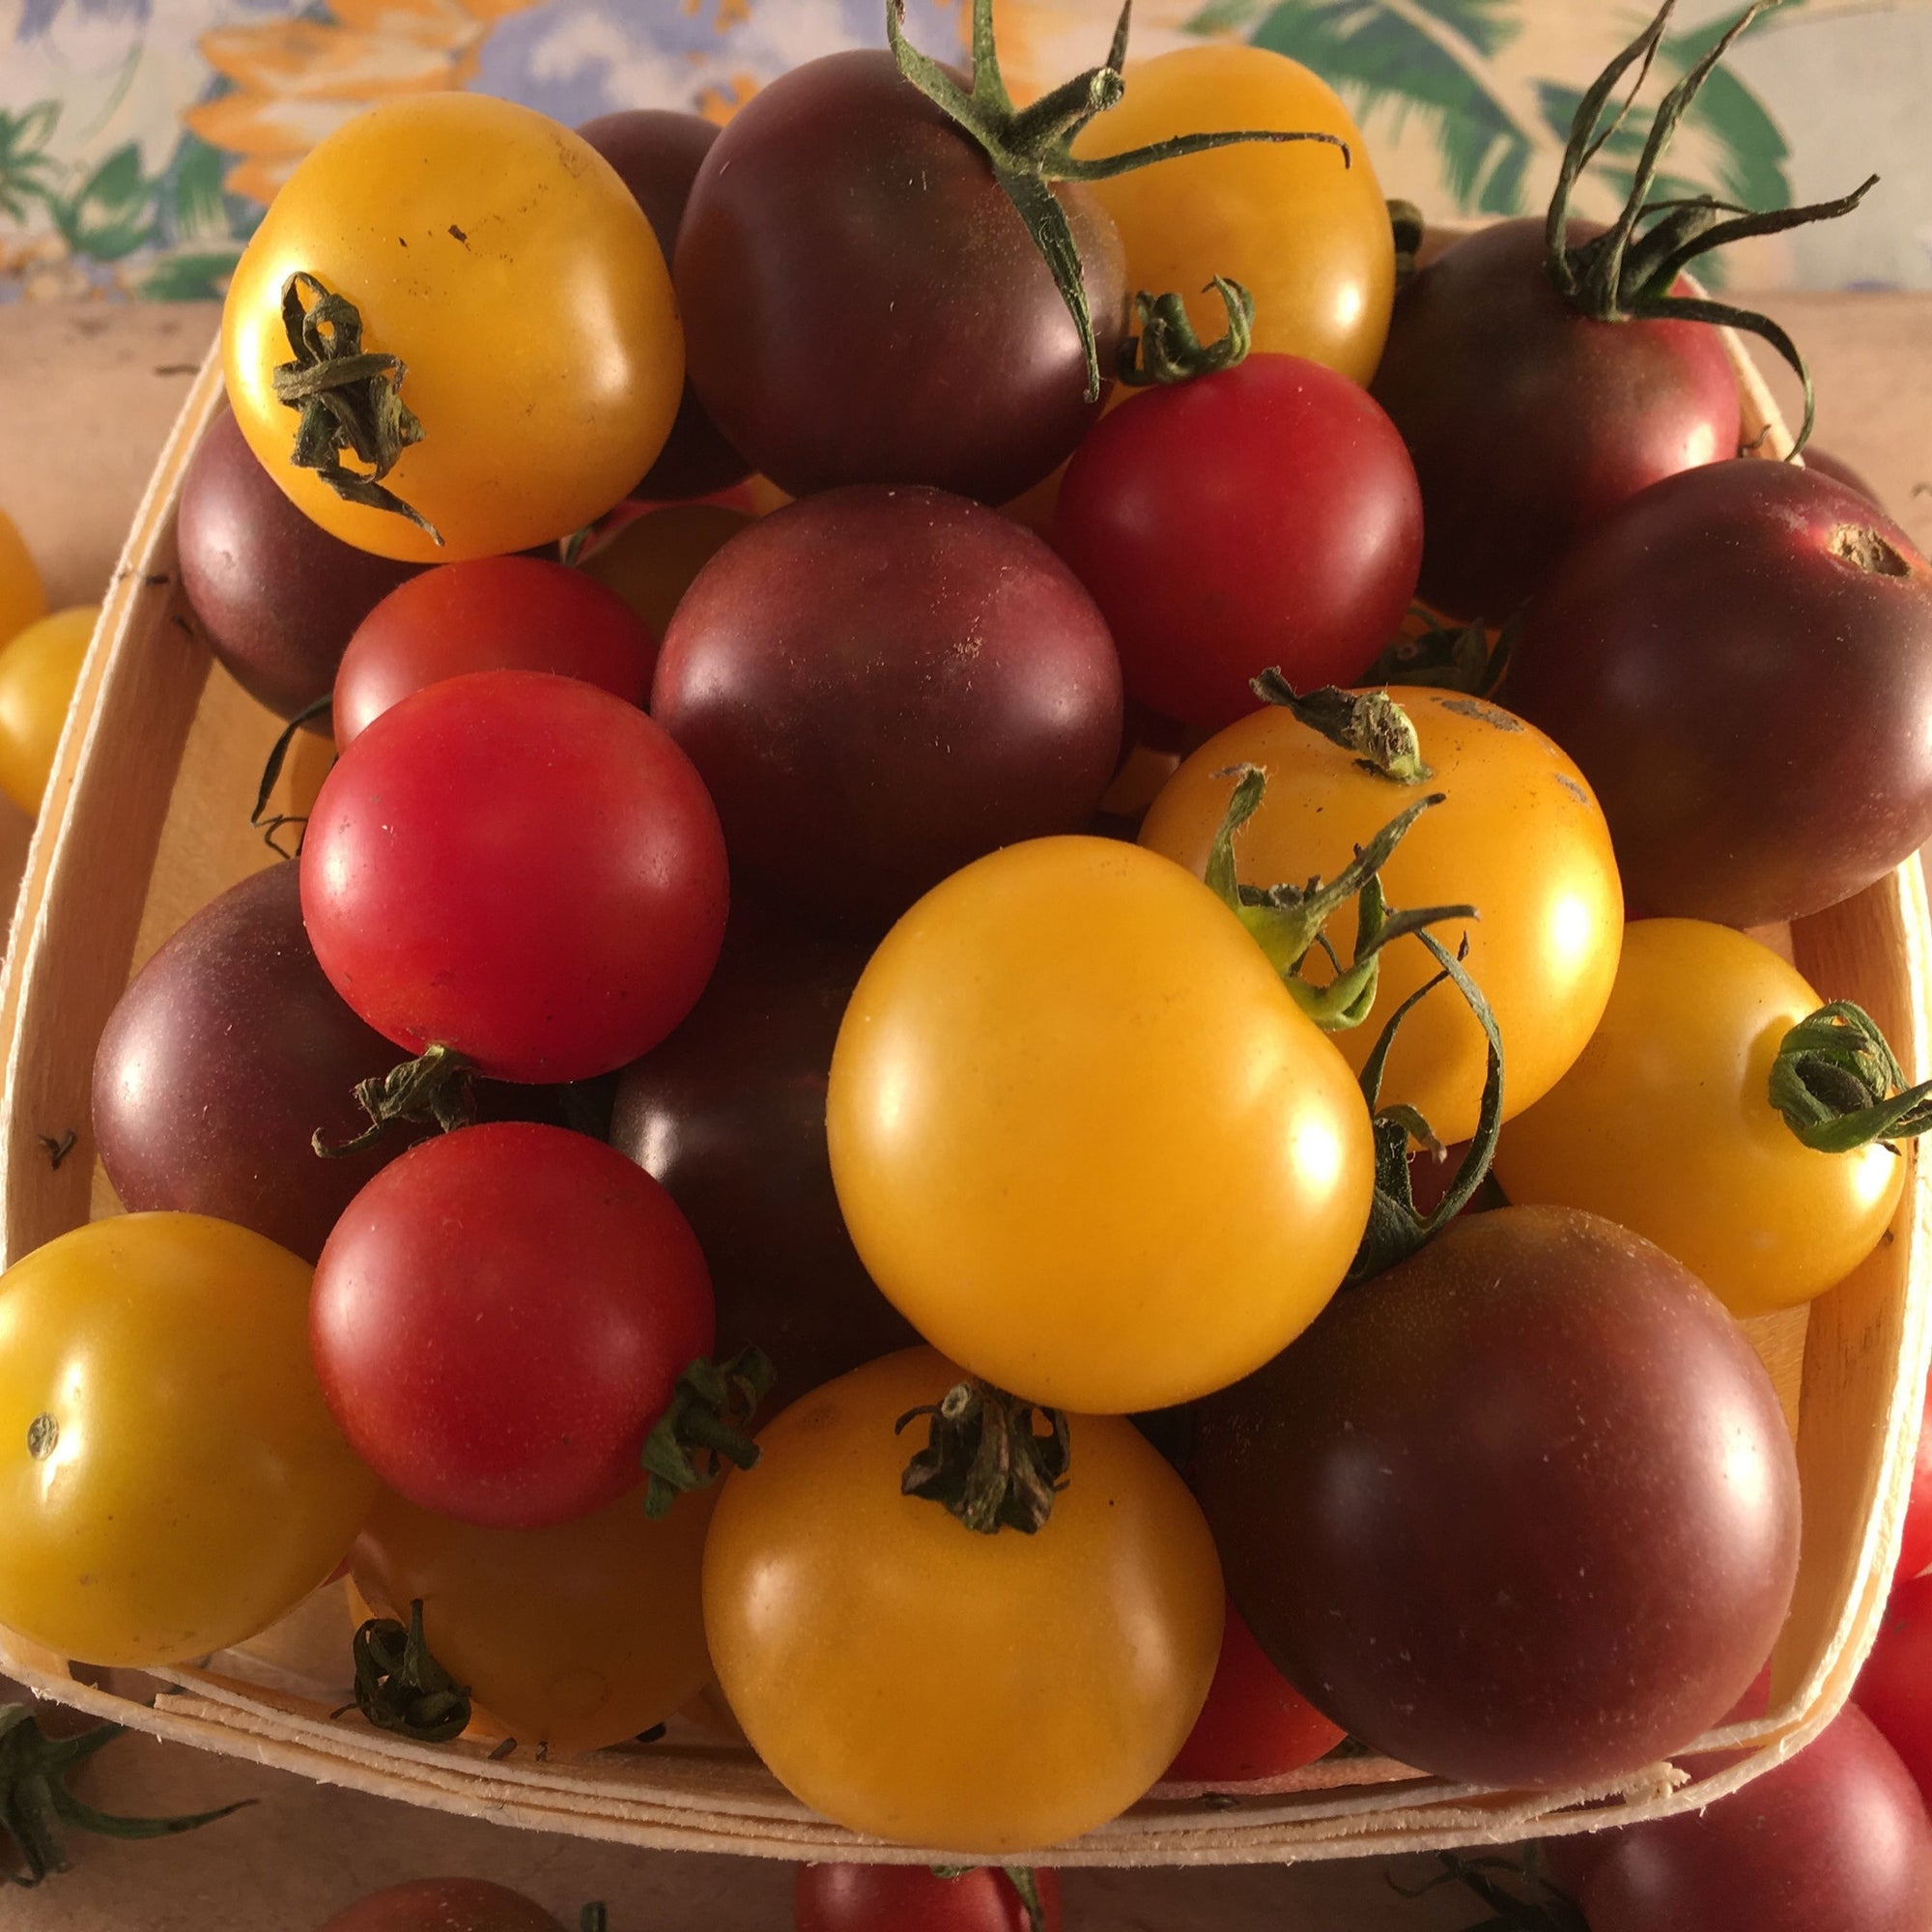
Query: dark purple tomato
{"points": [[658, 153], [492, 613], [1264, 516], [729, 1115], [1527, 420], [1740, 659], [225, 1054], [277, 596], [1835, 1836], [878, 685], [1520, 1510], [863, 305], [443, 1904]]}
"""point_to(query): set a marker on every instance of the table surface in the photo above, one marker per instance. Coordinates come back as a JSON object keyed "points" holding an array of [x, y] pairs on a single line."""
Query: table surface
{"points": [[86, 395]]}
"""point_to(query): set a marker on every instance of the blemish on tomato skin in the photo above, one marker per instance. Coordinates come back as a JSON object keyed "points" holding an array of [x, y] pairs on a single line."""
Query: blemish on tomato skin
{"points": [[1495, 717]]}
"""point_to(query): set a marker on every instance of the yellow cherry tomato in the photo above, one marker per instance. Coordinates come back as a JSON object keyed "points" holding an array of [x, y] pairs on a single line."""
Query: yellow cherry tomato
{"points": [[1518, 836], [1084, 1137], [1665, 1124], [170, 1478], [40, 668], [575, 1636], [923, 1682], [23, 597], [652, 560], [1308, 238], [515, 277]]}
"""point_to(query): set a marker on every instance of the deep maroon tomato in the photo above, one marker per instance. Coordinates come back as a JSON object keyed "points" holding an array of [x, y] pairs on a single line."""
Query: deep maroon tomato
{"points": [[1841, 472], [1835, 1836], [495, 613], [1895, 1688], [1915, 1543], [1741, 661], [1528, 421], [879, 685], [1268, 515], [656, 154], [498, 1321], [1521, 1510], [277, 596], [916, 1898], [1254, 1722], [443, 1904], [226, 1053], [729, 1115], [862, 304], [517, 866]]}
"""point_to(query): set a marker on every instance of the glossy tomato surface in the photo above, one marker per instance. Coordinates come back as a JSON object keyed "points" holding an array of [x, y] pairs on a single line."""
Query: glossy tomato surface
{"points": [[863, 305], [1084, 1137], [1264, 516], [519, 867], [894, 1898], [1008, 1691], [1741, 661], [1521, 1510], [1665, 1124], [500, 1318], [172, 1480], [443, 1904], [1254, 1724], [40, 668], [878, 685], [1528, 421]]}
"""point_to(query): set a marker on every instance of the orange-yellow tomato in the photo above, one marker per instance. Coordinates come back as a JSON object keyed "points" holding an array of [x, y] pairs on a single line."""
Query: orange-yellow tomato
{"points": [[915, 1679], [1519, 837], [40, 668], [1665, 1124], [22, 599], [1307, 236]]}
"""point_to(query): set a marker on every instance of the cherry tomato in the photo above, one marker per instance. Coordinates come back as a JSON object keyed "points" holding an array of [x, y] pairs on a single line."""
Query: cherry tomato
{"points": [[1307, 236], [1521, 1510], [1266, 515], [1664, 1124], [1915, 1543], [500, 1318], [443, 1904], [878, 685], [501, 259], [22, 598], [1742, 613], [175, 1483], [1008, 1691], [897, 1898], [651, 560], [572, 1637], [1084, 1137], [517, 866], [497, 614], [1894, 1688], [1519, 838], [40, 666], [1254, 1722]]}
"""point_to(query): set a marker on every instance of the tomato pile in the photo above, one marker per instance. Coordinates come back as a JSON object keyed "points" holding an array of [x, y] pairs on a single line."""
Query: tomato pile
{"points": [[1046, 1003]]}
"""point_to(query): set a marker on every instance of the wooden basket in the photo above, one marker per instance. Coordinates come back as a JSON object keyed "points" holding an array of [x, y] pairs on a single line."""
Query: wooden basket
{"points": [[146, 819]]}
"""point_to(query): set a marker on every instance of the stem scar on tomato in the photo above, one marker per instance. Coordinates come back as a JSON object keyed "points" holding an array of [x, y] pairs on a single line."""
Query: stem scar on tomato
{"points": [[705, 1425], [1839, 1086], [399, 1687], [983, 1460], [437, 1086], [1168, 349]]}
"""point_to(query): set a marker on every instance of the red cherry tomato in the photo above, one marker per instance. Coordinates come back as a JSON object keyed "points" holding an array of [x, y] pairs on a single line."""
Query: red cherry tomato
{"points": [[443, 1904], [1895, 1688], [1915, 1545], [495, 614], [500, 1318], [521, 868], [1254, 1722], [1268, 515], [915, 1898]]}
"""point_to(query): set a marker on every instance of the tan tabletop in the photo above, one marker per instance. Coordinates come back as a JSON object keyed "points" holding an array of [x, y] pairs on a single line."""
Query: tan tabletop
{"points": [[86, 393]]}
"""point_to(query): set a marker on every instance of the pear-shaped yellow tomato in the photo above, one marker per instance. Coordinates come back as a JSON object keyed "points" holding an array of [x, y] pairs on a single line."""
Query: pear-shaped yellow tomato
{"points": [[171, 1480], [1665, 1124], [40, 666], [1084, 1137], [22, 598], [1518, 836], [573, 1637], [926, 1683], [514, 277], [1307, 236]]}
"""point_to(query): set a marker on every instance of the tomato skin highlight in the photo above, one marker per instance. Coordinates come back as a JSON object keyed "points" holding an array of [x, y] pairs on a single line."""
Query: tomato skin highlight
{"points": [[39, 669], [498, 1321], [1254, 1724], [895, 1898], [1265, 516]]}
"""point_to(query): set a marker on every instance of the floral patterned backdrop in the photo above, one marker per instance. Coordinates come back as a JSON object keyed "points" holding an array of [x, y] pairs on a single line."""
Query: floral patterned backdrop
{"points": [[140, 139]]}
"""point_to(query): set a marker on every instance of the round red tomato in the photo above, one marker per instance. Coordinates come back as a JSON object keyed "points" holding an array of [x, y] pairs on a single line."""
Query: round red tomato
{"points": [[1895, 1688], [500, 1318], [899, 1898], [1266, 515], [1254, 1722], [495, 613], [1914, 1543], [521, 868]]}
